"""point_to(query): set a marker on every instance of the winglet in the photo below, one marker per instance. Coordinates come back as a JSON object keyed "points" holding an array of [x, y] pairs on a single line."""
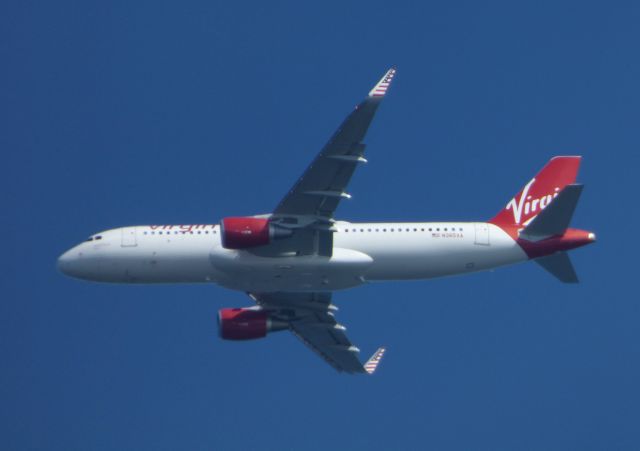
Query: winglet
{"points": [[380, 89], [372, 363]]}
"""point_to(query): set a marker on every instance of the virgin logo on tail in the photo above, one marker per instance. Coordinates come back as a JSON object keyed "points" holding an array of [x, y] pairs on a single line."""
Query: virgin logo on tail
{"points": [[539, 192], [525, 204]]}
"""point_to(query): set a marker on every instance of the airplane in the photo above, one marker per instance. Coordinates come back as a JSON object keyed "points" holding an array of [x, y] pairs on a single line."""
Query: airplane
{"points": [[291, 260]]}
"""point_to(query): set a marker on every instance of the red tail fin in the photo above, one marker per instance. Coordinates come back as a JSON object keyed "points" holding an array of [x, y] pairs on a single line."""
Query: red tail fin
{"points": [[536, 195]]}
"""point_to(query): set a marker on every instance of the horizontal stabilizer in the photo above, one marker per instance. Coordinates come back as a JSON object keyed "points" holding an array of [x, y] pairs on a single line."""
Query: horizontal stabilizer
{"points": [[560, 266], [555, 218]]}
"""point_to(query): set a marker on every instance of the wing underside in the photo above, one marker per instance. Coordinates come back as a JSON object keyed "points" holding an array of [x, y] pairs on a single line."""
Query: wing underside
{"points": [[321, 187], [309, 206], [311, 318]]}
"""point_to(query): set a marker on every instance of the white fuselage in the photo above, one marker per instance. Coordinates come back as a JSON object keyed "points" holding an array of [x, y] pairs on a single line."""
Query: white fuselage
{"points": [[362, 252]]}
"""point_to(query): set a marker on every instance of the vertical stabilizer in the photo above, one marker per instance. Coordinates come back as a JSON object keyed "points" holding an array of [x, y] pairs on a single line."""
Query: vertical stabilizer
{"points": [[539, 192]]}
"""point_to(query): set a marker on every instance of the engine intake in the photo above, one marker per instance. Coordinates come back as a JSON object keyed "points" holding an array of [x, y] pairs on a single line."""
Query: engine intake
{"points": [[246, 323], [245, 233]]}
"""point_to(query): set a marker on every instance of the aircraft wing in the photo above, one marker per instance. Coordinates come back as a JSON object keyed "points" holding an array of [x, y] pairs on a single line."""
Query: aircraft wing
{"points": [[311, 318], [311, 203]]}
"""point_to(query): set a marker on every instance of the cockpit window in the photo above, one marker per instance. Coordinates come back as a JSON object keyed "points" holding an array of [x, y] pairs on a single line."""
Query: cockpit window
{"points": [[99, 237], [89, 239]]}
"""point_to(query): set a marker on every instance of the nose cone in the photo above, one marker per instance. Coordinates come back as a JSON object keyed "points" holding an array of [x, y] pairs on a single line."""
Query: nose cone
{"points": [[68, 263], [72, 263]]}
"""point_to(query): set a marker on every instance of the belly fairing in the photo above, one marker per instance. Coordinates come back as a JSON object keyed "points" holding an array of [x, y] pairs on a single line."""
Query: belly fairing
{"points": [[242, 270]]}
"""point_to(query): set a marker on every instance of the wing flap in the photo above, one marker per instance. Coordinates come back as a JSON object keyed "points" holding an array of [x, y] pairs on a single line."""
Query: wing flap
{"points": [[331, 344]]}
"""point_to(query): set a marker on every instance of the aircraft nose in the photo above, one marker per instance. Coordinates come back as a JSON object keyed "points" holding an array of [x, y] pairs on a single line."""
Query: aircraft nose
{"points": [[67, 263], [63, 262]]}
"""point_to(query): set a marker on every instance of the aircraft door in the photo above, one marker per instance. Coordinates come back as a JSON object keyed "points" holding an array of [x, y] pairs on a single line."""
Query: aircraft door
{"points": [[129, 237], [482, 234]]}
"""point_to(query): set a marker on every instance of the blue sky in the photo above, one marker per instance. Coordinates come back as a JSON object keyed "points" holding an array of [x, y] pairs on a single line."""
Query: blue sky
{"points": [[115, 113]]}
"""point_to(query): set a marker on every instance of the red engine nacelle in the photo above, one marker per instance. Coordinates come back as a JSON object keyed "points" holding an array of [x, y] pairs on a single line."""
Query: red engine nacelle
{"points": [[246, 323], [244, 233]]}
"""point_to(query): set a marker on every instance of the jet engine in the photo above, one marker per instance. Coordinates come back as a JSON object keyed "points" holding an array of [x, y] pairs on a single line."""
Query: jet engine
{"points": [[246, 323], [244, 233]]}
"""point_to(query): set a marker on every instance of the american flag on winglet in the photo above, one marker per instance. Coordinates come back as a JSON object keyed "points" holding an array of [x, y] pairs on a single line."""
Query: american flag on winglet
{"points": [[380, 89], [373, 362]]}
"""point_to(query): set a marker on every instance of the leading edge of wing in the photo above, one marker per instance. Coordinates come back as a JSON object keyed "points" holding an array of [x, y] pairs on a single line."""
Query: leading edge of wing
{"points": [[310, 317]]}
